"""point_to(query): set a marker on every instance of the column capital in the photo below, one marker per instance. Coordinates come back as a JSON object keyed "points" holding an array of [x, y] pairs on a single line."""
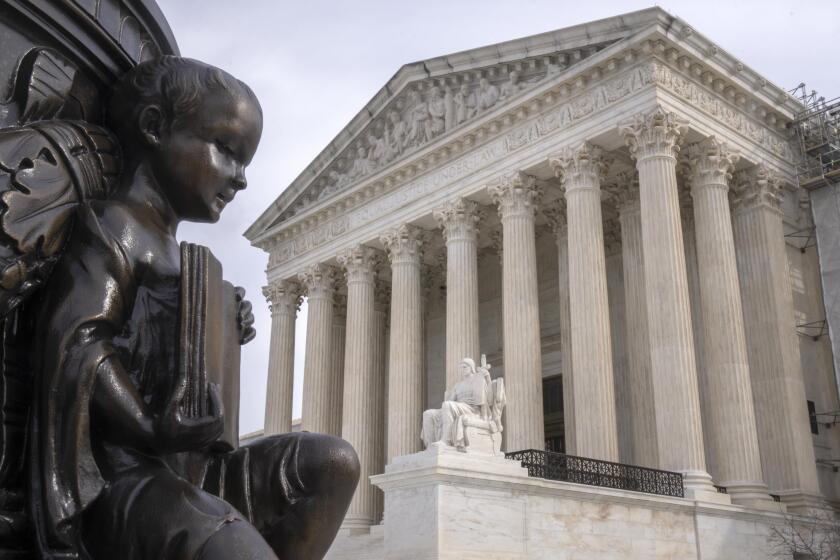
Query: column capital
{"points": [[656, 133], [556, 216], [404, 244], [319, 280], [516, 194], [757, 187], [710, 162], [625, 192], [283, 296], [360, 263], [580, 167], [459, 219]]}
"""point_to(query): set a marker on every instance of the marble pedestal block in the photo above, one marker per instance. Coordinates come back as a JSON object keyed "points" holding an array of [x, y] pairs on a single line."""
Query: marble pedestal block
{"points": [[445, 504], [442, 504]]}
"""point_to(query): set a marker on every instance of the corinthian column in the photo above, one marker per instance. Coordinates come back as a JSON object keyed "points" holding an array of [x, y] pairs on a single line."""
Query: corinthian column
{"points": [[284, 297], [515, 196], [784, 434], [729, 417], [557, 217], [339, 334], [378, 397], [652, 139], [358, 414], [642, 429], [319, 378], [459, 220], [580, 172], [405, 368]]}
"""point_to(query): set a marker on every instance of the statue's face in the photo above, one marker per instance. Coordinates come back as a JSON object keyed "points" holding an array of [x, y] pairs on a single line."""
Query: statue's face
{"points": [[200, 160], [465, 370]]}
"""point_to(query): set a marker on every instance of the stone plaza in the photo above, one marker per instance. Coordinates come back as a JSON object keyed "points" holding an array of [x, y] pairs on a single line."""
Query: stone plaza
{"points": [[609, 213]]}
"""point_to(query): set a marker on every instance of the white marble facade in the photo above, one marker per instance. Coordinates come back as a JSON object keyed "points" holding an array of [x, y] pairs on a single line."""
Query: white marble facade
{"points": [[608, 202]]}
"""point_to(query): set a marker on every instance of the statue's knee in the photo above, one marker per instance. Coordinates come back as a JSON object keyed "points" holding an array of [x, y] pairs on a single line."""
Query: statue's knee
{"points": [[328, 463]]}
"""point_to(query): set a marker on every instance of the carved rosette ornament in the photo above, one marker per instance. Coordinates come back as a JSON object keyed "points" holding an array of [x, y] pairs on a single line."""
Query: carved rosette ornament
{"points": [[657, 133], [319, 281], [582, 167], [516, 195], [711, 163], [405, 244], [360, 263], [757, 187], [459, 219], [283, 296]]}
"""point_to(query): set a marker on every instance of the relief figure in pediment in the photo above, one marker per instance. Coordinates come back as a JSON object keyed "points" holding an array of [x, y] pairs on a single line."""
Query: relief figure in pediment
{"points": [[380, 152], [419, 126], [437, 113], [512, 86], [465, 104], [395, 135], [488, 95], [449, 103], [362, 166]]}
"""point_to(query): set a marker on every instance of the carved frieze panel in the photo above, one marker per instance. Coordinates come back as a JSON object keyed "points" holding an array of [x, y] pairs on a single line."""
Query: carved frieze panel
{"points": [[428, 109]]}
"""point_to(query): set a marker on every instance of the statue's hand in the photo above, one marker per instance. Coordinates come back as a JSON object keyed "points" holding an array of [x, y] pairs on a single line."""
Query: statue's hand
{"points": [[175, 432], [244, 317]]}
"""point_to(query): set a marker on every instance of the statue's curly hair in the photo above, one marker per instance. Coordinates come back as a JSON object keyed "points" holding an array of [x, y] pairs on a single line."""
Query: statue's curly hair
{"points": [[174, 84]]}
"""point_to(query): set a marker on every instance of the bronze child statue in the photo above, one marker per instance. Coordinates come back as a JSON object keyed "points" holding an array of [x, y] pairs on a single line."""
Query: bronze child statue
{"points": [[117, 469]]}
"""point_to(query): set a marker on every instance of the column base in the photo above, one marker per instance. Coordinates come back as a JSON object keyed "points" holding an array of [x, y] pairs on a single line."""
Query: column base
{"points": [[355, 526], [753, 495], [801, 502], [699, 487]]}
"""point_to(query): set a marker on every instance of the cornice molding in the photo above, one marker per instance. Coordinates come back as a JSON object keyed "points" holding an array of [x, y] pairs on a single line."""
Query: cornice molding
{"points": [[667, 38], [545, 111]]}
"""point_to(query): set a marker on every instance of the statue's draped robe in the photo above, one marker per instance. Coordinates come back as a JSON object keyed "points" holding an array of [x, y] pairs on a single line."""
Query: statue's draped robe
{"points": [[468, 398]]}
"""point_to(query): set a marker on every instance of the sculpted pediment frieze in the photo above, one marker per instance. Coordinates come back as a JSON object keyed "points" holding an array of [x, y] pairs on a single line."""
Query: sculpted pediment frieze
{"points": [[426, 110]]}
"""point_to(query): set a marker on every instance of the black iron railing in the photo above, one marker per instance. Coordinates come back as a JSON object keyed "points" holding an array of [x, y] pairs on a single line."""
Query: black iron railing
{"points": [[568, 468]]}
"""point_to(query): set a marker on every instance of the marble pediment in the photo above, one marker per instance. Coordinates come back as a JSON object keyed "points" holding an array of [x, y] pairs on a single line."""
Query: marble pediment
{"points": [[428, 100], [433, 109]]}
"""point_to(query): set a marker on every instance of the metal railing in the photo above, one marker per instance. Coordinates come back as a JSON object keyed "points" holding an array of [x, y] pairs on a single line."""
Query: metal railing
{"points": [[593, 472]]}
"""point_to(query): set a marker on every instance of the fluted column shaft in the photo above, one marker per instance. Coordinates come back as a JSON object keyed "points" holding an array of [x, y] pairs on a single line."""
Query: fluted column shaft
{"points": [[405, 368], [515, 196], [640, 381], [378, 394], [284, 297], [776, 373], [729, 418], [359, 415], [319, 378], [339, 334], [652, 139], [596, 434], [459, 220], [557, 217]]}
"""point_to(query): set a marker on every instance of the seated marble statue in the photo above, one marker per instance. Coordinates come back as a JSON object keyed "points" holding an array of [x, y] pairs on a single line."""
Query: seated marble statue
{"points": [[119, 471], [471, 413]]}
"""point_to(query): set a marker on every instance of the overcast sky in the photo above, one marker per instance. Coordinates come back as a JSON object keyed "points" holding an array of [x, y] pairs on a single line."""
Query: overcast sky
{"points": [[314, 64]]}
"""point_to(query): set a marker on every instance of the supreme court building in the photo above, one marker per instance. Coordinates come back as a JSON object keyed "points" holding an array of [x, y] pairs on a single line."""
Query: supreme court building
{"points": [[608, 212]]}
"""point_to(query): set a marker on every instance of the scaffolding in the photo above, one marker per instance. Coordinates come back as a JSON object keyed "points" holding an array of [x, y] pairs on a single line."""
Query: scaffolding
{"points": [[817, 131]]}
